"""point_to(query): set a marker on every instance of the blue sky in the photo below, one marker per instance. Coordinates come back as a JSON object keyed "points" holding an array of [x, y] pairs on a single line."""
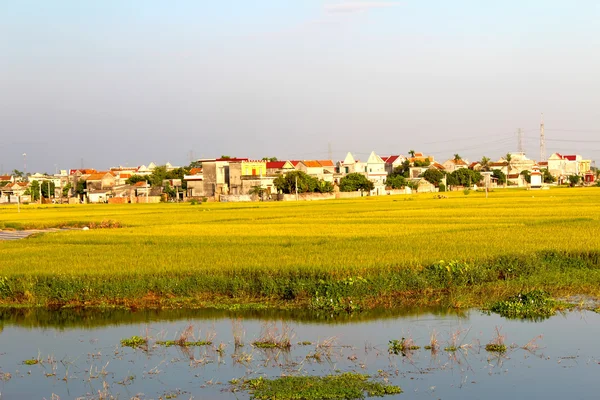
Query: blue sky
{"points": [[128, 82]]}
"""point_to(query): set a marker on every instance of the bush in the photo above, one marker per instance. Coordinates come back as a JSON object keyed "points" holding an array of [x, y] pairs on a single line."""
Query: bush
{"points": [[442, 187]]}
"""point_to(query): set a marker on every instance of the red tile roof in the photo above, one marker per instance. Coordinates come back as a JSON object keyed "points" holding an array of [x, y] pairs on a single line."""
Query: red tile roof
{"points": [[5, 177], [275, 164], [140, 184], [295, 162], [390, 159], [233, 159], [195, 171], [311, 164], [326, 163]]}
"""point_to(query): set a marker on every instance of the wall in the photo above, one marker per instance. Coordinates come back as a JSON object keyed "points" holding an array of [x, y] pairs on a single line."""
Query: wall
{"points": [[231, 198], [307, 197], [151, 199]]}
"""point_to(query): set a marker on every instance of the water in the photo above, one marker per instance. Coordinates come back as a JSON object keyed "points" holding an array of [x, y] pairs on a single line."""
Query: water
{"points": [[81, 357]]}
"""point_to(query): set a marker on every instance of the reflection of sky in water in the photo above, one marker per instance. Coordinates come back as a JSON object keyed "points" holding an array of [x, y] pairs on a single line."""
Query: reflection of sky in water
{"points": [[565, 365]]}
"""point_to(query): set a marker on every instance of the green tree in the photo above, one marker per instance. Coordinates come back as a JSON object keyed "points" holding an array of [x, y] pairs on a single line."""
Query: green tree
{"points": [[34, 190], [48, 192], [526, 175], [501, 176], [422, 163], [195, 164], [158, 175], [355, 181], [257, 191], [401, 170], [271, 159], [223, 157], [80, 188], [457, 157], [485, 163], [465, 177], [17, 173], [169, 191], [547, 176], [66, 189], [396, 181], [574, 180], [324, 187], [287, 183], [433, 175], [133, 179], [412, 153]]}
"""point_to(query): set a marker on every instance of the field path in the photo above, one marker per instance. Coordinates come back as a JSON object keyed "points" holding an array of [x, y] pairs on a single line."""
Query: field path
{"points": [[15, 235]]}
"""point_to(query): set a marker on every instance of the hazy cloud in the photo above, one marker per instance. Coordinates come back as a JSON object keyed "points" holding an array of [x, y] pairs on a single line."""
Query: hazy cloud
{"points": [[358, 6]]}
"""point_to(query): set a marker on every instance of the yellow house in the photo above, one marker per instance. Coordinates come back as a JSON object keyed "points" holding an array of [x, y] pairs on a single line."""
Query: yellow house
{"points": [[584, 166], [254, 167]]}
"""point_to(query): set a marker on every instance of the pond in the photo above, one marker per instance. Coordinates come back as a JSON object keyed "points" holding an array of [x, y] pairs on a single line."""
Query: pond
{"points": [[78, 354]]}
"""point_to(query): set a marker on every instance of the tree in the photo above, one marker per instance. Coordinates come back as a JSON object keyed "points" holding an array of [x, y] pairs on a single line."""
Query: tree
{"points": [[133, 179], [158, 175], [401, 170], [287, 183], [526, 175], [225, 157], [324, 187], [195, 164], [433, 175], [34, 190], [257, 191], [547, 176], [396, 181], [485, 163], [48, 192], [169, 191], [501, 176], [271, 159], [457, 157], [17, 173], [355, 181], [465, 177], [574, 180], [412, 153], [66, 189], [422, 163], [80, 188]]}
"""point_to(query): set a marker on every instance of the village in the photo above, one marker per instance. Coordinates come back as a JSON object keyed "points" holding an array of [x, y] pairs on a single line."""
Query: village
{"points": [[232, 179]]}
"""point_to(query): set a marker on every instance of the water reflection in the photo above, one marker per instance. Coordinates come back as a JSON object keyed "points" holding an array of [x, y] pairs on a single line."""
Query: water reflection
{"points": [[78, 353]]}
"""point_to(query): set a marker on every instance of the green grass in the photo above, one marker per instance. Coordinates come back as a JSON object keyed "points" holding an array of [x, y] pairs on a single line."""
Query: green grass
{"points": [[536, 304], [334, 256], [134, 341], [343, 386]]}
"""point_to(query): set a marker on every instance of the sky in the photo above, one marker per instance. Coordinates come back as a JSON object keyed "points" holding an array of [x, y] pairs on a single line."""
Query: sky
{"points": [[126, 82]]}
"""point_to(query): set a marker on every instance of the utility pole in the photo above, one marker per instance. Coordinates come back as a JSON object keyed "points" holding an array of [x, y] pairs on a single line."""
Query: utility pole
{"points": [[25, 165], [146, 192], [520, 141], [48, 190], [542, 140], [329, 151], [296, 187]]}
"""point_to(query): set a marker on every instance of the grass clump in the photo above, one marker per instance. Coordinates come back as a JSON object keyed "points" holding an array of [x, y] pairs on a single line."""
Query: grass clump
{"points": [[495, 348], [134, 341], [32, 361], [348, 385], [402, 346], [272, 337], [536, 304], [169, 343]]}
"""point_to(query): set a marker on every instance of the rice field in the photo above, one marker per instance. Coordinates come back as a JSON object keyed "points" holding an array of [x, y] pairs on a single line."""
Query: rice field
{"points": [[373, 247]]}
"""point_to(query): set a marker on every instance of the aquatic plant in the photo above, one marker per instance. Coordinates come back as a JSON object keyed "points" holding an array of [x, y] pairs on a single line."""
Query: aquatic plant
{"points": [[348, 385], [536, 304], [134, 341]]}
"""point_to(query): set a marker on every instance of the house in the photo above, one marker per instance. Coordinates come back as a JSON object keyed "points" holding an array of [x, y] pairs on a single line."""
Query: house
{"points": [[7, 178], [348, 166], [279, 167], [376, 172], [454, 164], [99, 196], [392, 162], [195, 183], [311, 167], [238, 170], [12, 192], [422, 185], [100, 181], [215, 177], [562, 166]]}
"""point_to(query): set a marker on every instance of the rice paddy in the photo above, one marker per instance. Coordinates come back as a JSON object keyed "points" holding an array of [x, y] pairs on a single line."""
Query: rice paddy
{"points": [[338, 256]]}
